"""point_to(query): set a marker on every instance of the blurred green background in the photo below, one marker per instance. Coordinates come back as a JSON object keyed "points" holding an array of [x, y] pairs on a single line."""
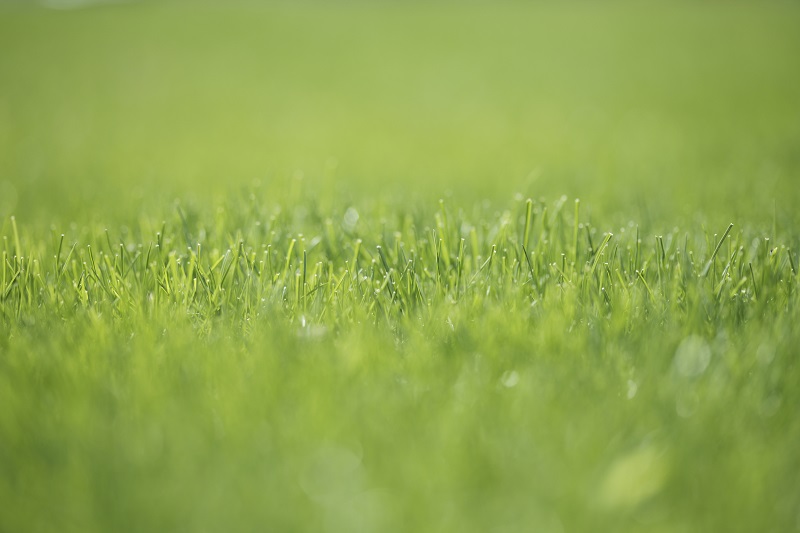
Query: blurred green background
{"points": [[654, 110]]}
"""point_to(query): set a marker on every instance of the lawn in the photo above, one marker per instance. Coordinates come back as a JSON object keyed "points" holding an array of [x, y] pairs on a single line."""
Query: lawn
{"points": [[377, 266]]}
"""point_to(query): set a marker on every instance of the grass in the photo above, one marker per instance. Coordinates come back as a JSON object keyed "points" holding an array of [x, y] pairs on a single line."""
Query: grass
{"points": [[335, 285], [431, 371]]}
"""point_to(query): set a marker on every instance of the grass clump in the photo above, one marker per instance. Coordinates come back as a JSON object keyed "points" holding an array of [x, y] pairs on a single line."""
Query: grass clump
{"points": [[376, 369]]}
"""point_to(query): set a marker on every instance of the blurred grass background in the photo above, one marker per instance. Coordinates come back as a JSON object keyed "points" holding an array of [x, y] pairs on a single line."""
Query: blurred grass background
{"points": [[656, 110]]}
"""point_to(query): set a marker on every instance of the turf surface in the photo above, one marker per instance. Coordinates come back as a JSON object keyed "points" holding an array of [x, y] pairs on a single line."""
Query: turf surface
{"points": [[313, 267]]}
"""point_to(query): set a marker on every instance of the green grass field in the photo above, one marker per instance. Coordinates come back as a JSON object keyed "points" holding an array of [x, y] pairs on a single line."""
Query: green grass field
{"points": [[323, 267]]}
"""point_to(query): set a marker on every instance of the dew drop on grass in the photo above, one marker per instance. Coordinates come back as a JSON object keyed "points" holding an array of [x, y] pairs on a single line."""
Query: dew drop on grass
{"points": [[633, 388], [350, 219], [692, 356], [633, 478], [765, 354], [510, 378]]}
